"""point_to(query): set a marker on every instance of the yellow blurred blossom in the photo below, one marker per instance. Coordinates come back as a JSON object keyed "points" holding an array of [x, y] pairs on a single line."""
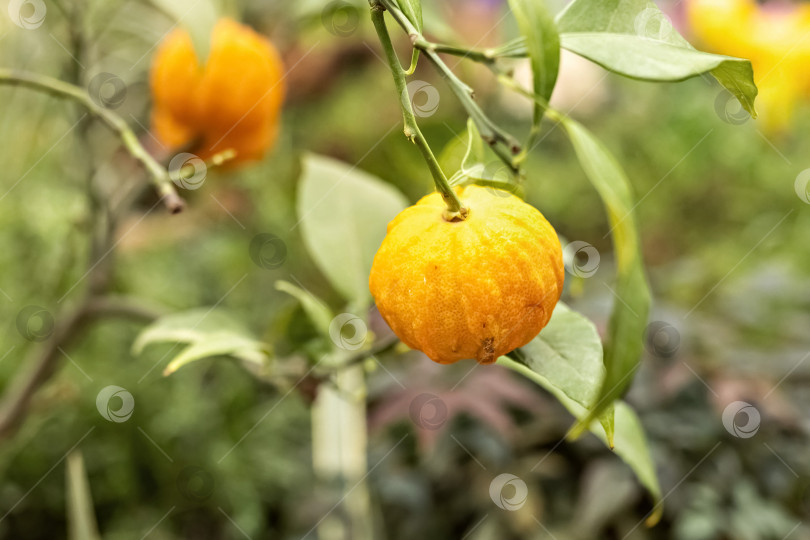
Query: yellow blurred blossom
{"points": [[775, 37]]}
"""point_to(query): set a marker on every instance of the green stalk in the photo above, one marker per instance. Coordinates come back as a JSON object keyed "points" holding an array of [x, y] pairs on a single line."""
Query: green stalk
{"points": [[490, 131], [455, 210], [485, 57], [55, 87], [512, 49]]}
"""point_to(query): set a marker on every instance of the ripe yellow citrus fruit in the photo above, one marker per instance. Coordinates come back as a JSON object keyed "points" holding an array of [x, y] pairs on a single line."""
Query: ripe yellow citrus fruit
{"points": [[476, 288], [231, 101]]}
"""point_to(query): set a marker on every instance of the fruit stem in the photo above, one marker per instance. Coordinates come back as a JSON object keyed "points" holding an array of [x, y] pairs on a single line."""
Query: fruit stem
{"points": [[455, 210], [55, 87]]}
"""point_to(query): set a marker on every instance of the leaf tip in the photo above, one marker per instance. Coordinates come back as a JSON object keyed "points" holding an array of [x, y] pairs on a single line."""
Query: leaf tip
{"points": [[653, 519]]}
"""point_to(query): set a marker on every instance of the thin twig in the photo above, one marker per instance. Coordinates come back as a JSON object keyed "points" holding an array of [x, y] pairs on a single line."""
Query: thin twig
{"points": [[159, 175]]}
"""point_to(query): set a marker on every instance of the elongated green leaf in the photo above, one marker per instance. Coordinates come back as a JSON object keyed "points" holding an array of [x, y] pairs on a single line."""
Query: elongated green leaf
{"points": [[475, 153], [543, 45], [220, 344], [316, 310], [632, 446], [636, 39], [413, 10], [185, 327], [629, 441], [343, 213], [632, 302], [208, 333], [81, 516]]}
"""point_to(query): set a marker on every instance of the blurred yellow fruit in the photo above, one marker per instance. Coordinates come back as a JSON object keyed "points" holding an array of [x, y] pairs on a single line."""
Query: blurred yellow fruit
{"points": [[775, 38], [476, 288], [232, 101]]}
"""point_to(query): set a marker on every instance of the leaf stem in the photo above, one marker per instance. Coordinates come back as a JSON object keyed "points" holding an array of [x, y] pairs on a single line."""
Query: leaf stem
{"points": [[485, 56], [55, 87], [512, 49], [455, 210]]}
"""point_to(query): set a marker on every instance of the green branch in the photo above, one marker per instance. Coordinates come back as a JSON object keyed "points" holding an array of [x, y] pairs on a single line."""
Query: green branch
{"points": [[512, 49], [455, 210], [55, 87], [503, 144]]}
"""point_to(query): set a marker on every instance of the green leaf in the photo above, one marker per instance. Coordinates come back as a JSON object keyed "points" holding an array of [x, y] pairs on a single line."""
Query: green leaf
{"points": [[185, 327], [208, 332], [413, 10], [343, 213], [81, 516], [451, 156], [632, 302], [220, 344], [543, 45], [475, 168], [320, 315], [475, 153], [567, 354], [636, 39], [629, 440], [632, 446]]}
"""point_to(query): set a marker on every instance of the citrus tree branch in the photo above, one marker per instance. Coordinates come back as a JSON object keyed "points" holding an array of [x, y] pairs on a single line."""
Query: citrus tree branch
{"points": [[159, 175], [502, 143], [412, 131], [44, 361]]}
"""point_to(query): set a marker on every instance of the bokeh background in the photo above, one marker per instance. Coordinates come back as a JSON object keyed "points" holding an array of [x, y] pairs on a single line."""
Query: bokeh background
{"points": [[218, 451]]}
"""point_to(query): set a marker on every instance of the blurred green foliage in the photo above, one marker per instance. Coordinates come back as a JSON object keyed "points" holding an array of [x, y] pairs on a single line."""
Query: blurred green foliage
{"points": [[723, 232]]}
